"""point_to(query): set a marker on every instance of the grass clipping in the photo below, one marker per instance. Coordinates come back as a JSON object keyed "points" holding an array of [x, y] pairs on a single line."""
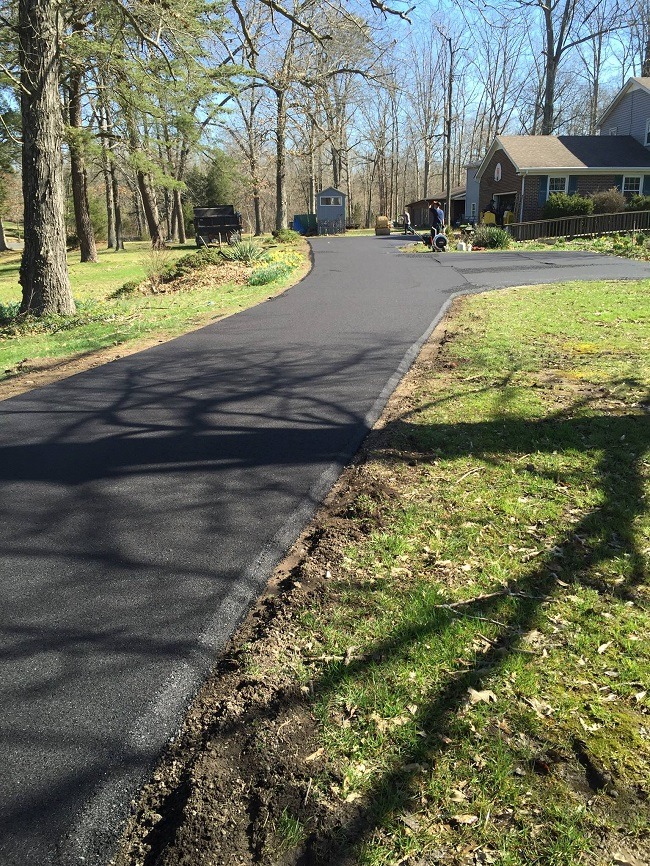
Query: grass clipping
{"points": [[453, 666]]}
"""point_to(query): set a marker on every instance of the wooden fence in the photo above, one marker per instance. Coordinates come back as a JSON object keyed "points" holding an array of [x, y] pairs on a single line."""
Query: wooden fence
{"points": [[627, 222]]}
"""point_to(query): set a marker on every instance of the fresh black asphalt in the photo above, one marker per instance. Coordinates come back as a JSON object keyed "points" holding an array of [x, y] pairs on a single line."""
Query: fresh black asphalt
{"points": [[144, 504]]}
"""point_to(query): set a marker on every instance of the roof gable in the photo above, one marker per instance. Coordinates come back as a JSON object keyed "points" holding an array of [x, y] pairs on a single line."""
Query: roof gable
{"points": [[331, 190], [565, 153], [639, 83]]}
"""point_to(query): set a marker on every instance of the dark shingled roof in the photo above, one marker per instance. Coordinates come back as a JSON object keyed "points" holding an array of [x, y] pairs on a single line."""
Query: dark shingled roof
{"points": [[554, 152]]}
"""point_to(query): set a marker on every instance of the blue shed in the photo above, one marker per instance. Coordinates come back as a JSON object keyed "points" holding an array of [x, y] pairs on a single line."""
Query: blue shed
{"points": [[330, 211]]}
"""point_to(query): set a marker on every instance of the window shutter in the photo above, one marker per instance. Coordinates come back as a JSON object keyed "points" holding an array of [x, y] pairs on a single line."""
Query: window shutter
{"points": [[646, 184], [573, 184], [618, 182], [543, 187]]}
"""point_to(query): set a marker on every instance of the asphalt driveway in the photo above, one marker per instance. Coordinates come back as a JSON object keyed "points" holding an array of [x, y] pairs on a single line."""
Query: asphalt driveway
{"points": [[144, 504]]}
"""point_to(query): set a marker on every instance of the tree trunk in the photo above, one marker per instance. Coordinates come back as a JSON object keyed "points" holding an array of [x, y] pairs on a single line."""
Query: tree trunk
{"points": [[150, 211], [119, 238], [44, 267], [180, 217], [281, 162], [84, 226], [427, 171], [137, 211], [3, 240], [110, 204], [645, 68], [108, 182], [548, 109]]}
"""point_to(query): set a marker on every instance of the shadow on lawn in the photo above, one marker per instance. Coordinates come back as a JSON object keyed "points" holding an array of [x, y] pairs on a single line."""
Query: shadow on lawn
{"points": [[602, 534]]}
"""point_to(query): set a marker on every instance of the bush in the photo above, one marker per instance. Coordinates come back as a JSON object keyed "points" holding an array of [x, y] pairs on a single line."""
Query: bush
{"points": [[127, 289], [268, 274], [286, 236], [492, 237], [638, 202], [202, 258], [609, 201], [560, 205], [9, 312], [246, 251]]}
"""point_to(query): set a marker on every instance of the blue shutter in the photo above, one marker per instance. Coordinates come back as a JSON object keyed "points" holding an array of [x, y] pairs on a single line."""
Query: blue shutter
{"points": [[543, 188], [618, 182], [646, 184], [573, 184]]}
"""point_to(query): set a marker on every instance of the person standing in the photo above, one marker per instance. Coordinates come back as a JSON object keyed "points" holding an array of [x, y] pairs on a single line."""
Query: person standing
{"points": [[441, 216], [407, 223], [434, 217]]}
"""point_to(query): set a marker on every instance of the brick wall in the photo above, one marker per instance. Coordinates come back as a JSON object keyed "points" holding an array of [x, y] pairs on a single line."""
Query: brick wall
{"points": [[510, 181], [587, 184]]}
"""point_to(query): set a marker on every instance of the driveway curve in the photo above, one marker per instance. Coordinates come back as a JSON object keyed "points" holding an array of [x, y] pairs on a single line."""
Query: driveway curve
{"points": [[145, 503]]}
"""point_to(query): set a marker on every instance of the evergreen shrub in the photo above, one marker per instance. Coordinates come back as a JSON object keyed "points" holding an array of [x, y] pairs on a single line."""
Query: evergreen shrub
{"points": [[609, 201], [492, 237], [560, 204]]}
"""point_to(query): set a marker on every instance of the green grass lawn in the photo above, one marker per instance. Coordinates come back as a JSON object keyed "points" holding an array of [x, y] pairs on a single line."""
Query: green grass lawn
{"points": [[480, 661], [92, 281], [103, 320]]}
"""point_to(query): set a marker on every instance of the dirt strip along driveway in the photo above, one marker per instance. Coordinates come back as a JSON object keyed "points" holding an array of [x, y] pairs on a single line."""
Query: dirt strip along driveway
{"points": [[144, 504]]}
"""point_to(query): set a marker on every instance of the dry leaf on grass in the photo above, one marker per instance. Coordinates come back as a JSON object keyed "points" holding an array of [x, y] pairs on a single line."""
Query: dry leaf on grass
{"points": [[411, 822], [542, 709], [465, 819], [481, 697]]}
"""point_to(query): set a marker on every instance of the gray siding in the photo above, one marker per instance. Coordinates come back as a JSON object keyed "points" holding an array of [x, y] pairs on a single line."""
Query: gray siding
{"points": [[471, 192], [629, 116]]}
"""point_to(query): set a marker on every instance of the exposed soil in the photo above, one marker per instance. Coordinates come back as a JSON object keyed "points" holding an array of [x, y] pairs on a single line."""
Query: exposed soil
{"points": [[249, 754]]}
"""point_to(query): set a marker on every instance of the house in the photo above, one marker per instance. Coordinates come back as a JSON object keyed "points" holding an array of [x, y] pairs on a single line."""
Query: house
{"points": [[330, 211], [629, 112], [419, 210], [519, 172]]}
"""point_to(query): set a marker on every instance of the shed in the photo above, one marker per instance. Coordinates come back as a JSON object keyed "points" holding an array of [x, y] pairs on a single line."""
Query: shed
{"points": [[330, 211]]}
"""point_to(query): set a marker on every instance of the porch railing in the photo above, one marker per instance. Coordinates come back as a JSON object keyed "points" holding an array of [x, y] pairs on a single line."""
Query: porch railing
{"points": [[628, 221]]}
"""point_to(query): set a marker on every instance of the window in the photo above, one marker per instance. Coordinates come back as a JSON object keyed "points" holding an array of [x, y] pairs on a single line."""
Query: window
{"points": [[632, 185], [613, 130], [472, 211], [331, 200], [647, 132], [557, 184]]}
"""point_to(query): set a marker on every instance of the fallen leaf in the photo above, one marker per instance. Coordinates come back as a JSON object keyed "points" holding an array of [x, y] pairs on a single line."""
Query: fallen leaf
{"points": [[457, 796], [542, 709], [604, 647], [411, 822], [354, 795], [314, 755], [639, 696], [481, 697], [465, 819], [622, 858]]}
